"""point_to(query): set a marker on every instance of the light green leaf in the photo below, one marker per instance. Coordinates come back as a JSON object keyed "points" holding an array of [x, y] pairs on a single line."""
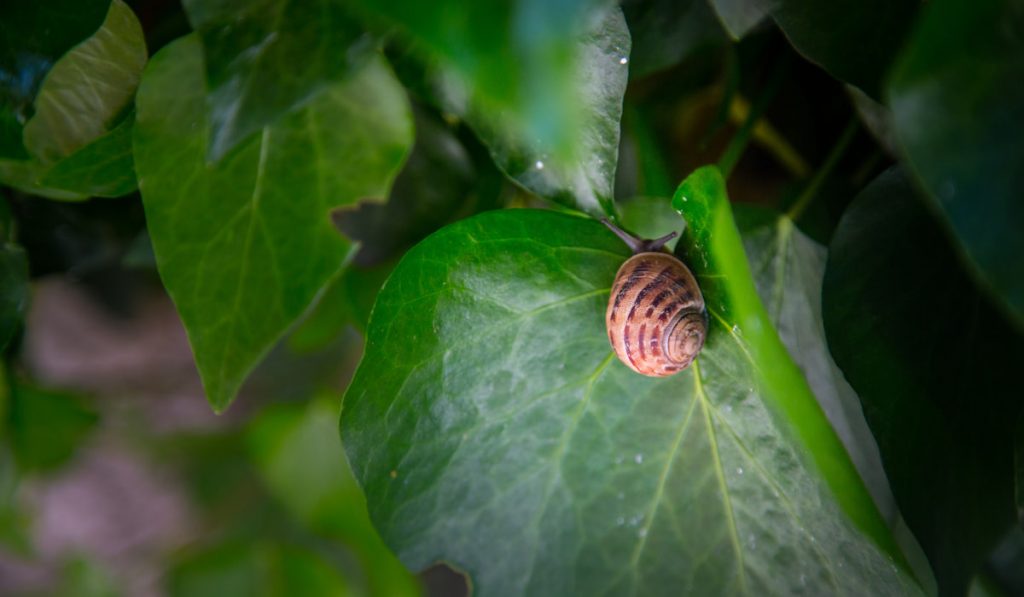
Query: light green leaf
{"points": [[88, 87], [244, 246], [78, 145], [301, 460], [267, 58], [492, 427], [958, 111], [584, 178]]}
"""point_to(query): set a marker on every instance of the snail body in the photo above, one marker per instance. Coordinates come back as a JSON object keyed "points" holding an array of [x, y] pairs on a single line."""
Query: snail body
{"points": [[656, 317]]}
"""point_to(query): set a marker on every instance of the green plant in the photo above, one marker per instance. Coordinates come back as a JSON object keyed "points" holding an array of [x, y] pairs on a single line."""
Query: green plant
{"points": [[299, 162]]}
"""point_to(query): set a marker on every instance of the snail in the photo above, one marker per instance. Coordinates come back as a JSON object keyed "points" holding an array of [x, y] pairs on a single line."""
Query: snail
{"points": [[656, 317]]}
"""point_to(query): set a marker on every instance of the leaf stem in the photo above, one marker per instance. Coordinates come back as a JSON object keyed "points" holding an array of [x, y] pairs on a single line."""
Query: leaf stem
{"points": [[739, 141], [811, 191]]}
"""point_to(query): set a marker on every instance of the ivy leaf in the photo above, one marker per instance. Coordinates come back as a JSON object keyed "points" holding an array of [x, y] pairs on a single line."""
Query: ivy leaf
{"points": [[667, 31], [13, 290], [936, 367], [854, 40], [739, 16], [244, 246], [489, 405], [959, 116], [788, 268], [584, 178], [33, 36], [77, 130], [267, 58]]}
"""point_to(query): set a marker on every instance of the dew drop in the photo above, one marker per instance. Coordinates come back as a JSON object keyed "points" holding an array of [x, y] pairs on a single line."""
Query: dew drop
{"points": [[642, 532], [685, 198], [623, 60], [539, 165], [639, 459], [735, 329], [739, 470]]}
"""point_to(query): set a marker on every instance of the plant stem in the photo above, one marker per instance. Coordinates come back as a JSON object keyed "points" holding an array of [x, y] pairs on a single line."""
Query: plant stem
{"points": [[739, 141], [823, 173]]}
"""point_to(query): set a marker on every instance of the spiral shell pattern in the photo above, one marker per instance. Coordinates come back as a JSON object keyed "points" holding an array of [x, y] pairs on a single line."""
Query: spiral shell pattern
{"points": [[656, 317]]}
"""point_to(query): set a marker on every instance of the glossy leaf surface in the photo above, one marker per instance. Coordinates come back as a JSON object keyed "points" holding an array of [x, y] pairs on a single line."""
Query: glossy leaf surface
{"points": [[267, 58], [489, 404], [958, 112], [245, 245], [937, 370]]}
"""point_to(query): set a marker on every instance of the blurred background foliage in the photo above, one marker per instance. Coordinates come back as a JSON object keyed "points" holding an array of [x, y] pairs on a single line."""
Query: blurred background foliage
{"points": [[115, 476]]}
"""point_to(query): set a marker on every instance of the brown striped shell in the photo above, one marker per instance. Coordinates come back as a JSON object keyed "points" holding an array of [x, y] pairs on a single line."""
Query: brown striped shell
{"points": [[656, 317]]}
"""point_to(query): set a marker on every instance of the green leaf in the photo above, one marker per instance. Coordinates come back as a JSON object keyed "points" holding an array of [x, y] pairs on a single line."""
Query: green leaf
{"points": [[959, 115], [788, 268], [584, 178], [78, 146], [259, 570], [489, 405], [45, 427], [103, 168], [244, 246], [33, 36], [856, 41], [937, 369], [13, 290], [666, 31], [346, 301], [739, 16], [513, 57], [301, 459], [267, 58]]}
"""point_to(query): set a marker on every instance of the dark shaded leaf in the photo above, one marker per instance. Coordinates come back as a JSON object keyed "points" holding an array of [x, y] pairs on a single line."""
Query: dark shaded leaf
{"points": [[959, 116], [33, 36], [13, 291], [739, 16], [489, 405], [666, 31], [244, 246], [936, 368], [76, 117], [267, 58], [45, 427]]}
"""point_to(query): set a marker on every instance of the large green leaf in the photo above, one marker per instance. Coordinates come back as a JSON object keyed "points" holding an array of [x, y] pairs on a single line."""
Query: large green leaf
{"points": [[297, 452], [854, 40], [33, 36], [666, 31], [267, 58], [491, 426], [245, 245], [76, 129], [937, 370], [788, 268], [959, 116], [583, 178]]}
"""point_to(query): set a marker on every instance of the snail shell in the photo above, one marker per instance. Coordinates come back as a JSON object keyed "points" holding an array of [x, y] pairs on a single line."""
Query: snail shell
{"points": [[656, 317]]}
